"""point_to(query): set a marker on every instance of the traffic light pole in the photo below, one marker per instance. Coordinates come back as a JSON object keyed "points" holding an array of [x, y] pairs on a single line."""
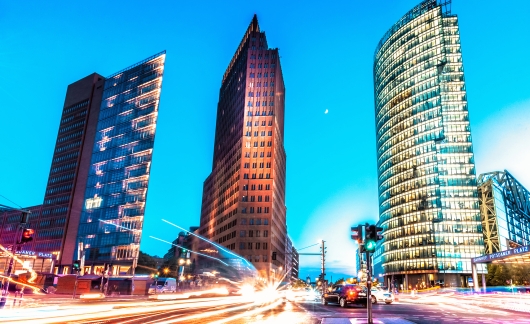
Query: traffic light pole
{"points": [[367, 236], [75, 285], [369, 288], [323, 247]]}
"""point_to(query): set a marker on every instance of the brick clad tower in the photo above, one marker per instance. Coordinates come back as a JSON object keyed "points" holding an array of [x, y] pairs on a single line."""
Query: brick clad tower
{"points": [[243, 206]]}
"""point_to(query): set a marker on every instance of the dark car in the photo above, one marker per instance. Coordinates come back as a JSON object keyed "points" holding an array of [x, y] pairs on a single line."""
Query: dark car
{"points": [[345, 294]]}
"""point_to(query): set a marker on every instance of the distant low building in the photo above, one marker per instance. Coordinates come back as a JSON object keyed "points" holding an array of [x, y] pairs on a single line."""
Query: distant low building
{"points": [[295, 265]]}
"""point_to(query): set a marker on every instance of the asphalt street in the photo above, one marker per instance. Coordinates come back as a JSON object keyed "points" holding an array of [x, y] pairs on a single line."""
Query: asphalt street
{"points": [[240, 310], [417, 313]]}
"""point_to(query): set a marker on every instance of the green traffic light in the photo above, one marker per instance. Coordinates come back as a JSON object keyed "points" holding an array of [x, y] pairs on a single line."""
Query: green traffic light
{"points": [[369, 246]]}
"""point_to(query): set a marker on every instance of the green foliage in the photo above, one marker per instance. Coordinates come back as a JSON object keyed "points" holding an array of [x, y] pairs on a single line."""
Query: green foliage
{"points": [[501, 274], [299, 284], [146, 264]]}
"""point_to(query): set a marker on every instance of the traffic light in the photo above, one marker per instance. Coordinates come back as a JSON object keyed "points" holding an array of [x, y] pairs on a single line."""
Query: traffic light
{"points": [[27, 235], [76, 266], [357, 234], [373, 234], [274, 256], [369, 246]]}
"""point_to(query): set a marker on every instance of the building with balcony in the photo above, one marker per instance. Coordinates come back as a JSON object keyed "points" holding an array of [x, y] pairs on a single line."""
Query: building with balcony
{"points": [[428, 199]]}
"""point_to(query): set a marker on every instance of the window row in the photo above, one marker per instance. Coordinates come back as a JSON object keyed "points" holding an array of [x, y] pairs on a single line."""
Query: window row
{"points": [[265, 75], [258, 210], [254, 233], [265, 66], [256, 123], [255, 165], [259, 176], [256, 133], [262, 94], [255, 154], [252, 245], [253, 198], [263, 104], [255, 221]]}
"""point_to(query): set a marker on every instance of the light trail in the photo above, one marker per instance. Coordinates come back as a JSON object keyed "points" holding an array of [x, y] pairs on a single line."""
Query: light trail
{"points": [[248, 313], [210, 309], [105, 311], [211, 257], [35, 289], [213, 243], [179, 318], [33, 273], [125, 228]]}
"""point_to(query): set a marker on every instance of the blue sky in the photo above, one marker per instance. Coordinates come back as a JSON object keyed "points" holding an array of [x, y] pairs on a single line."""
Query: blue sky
{"points": [[326, 50]]}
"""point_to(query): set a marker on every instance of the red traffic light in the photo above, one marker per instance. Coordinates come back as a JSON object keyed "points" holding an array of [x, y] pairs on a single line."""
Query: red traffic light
{"points": [[27, 235]]}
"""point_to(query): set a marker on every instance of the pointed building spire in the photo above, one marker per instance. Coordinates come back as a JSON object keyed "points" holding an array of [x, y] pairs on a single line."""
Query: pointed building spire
{"points": [[254, 26]]}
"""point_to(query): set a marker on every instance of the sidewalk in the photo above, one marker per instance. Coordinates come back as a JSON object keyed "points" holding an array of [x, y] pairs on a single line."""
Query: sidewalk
{"points": [[337, 320]]}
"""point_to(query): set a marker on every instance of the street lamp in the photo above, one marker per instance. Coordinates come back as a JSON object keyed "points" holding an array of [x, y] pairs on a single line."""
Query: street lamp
{"points": [[166, 270]]}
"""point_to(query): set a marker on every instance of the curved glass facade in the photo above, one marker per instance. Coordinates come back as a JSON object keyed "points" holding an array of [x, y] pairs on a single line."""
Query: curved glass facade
{"points": [[427, 184]]}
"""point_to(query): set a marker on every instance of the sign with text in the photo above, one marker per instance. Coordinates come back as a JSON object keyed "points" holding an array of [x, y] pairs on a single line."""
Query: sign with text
{"points": [[42, 255], [501, 255]]}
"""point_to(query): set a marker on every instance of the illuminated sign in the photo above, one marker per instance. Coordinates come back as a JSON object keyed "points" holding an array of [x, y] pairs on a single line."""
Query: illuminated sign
{"points": [[91, 203], [42, 255], [502, 254]]}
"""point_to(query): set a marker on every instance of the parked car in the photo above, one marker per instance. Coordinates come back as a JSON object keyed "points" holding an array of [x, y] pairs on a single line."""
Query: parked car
{"points": [[345, 294], [381, 295], [163, 285]]}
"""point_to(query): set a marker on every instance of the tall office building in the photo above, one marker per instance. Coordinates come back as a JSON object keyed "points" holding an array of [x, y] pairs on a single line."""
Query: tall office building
{"points": [[63, 199], [427, 186], [112, 216], [99, 173], [243, 206], [505, 211]]}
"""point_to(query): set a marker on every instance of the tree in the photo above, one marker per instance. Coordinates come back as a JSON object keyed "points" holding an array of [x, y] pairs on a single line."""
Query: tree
{"points": [[503, 274], [146, 264], [172, 266], [340, 281], [299, 284], [520, 273]]}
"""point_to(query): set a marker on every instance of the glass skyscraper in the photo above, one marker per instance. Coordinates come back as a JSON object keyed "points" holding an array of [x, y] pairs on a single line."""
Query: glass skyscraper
{"points": [[428, 197], [114, 205]]}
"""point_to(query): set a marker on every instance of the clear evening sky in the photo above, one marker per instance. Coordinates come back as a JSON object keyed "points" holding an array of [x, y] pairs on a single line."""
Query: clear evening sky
{"points": [[326, 50]]}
